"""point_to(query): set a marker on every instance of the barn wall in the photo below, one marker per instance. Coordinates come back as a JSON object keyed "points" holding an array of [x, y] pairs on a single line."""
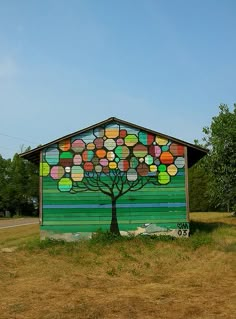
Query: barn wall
{"points": [[77, 174]]}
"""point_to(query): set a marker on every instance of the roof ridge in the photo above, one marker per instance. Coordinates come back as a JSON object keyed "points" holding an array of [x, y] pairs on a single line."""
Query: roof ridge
{"points": [[37, 150]]}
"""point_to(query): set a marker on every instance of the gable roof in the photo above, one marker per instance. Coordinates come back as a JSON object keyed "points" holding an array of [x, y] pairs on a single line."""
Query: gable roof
{"points": [[195, 153]]}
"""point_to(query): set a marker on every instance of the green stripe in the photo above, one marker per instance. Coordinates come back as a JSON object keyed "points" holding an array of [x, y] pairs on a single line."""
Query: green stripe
{"points": [[107, 222]]}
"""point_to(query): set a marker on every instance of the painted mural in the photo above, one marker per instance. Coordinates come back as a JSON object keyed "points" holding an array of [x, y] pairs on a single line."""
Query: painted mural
{"points": [[118, 161]]}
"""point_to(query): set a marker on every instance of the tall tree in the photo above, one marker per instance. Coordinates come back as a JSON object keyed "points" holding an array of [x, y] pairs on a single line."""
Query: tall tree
{"points": [[4, 181], [199, 200], [220, 138], [18, 186]]}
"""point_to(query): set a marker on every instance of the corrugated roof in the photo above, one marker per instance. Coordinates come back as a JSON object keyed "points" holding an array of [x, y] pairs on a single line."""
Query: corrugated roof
{"points": [[195, 153]]}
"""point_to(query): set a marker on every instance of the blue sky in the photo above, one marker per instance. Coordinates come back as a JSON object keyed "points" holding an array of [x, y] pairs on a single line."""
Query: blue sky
{"points": [[65, 65]]}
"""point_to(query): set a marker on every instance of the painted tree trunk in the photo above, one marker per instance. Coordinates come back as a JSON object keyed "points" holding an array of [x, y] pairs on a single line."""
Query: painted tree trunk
{"points": [[114, 227]]}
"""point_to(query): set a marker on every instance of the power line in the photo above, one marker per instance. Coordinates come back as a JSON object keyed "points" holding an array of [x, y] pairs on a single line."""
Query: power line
{"points": [[6, 147], [19, 138]]}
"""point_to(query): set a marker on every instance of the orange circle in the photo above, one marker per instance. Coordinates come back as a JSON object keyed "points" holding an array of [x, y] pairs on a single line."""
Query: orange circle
{"points": [[166, 158], [101, 153]]}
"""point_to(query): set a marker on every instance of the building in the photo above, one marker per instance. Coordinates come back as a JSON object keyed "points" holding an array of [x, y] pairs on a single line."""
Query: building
{"points": [[114, 176]]}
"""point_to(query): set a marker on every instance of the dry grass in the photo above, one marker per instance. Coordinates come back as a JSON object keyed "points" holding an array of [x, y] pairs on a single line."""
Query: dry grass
{"points": [[10, 237], [225, 218], [139, 278]]}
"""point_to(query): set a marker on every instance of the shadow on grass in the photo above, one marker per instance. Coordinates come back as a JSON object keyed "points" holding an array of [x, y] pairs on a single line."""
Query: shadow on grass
{"points": [[207, 227]]}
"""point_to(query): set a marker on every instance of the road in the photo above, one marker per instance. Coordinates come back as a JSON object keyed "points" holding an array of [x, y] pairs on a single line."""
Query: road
{"points": [[16, 222]]}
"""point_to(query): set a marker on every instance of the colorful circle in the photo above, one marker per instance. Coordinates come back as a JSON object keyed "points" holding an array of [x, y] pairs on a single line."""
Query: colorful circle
{"points": [[110, 144], [165, 148], [112, 131], [123, 165], [146, 138], [163, 178], [131, 140], [110, 156], [101, 153], [67, 169], [122, 152], [77, 173], [44, 169], [123, 133], [162, 168], [87, 156], [120, 141], [52, 156], [98, 142], [176, 149], [132, 175], [78, 146], [153, 168], [104, 162], [95, 160], [154, 150], [90, 146], [65, 184], [112, 165], [142, 170], [172, 170], [88, 167], [98, 132], [140, 150], [166, 158], [57, 172], [77, 160], [148, 159], [98, 168], [179, 162], [133, 162], [66, 159], [161, 140], [64, 145]]}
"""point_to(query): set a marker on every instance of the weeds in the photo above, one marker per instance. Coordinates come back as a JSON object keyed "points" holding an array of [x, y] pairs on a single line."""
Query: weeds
{"points": [[112, 272], [37, 244], [230, 248], [202, 234], [199, 240], [111, 276]]}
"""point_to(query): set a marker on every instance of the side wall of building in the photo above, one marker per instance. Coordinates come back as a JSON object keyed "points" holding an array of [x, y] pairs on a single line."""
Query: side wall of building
{"points": [[114, 178]]}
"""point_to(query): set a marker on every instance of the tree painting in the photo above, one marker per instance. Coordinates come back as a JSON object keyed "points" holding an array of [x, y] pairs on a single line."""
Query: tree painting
{"points": [[113, 160]]}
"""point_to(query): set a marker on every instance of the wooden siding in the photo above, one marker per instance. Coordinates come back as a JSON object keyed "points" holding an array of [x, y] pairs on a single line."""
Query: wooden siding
{"points": [[159, 207]]}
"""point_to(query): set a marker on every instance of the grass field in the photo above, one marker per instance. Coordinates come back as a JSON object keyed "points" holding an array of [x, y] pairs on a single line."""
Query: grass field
{"points": [[109, 277]]}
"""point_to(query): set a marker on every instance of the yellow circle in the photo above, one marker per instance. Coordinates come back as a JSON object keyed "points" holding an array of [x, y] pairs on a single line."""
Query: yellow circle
{"points": [[112, 165], [161, 140], [172, 170], [153, 168]]}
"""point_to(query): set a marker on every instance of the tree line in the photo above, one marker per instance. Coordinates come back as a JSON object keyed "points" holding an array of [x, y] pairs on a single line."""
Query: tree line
{"points": [[19, 187], [212, 181]]}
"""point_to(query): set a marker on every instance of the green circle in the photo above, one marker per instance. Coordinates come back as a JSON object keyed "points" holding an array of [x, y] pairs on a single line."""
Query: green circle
{"points": [[131, 140], [66, 155], [148, 159], [133, 162], [163, 178], [162, 168], [165, 148], [122, 152], [65, 184]]}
